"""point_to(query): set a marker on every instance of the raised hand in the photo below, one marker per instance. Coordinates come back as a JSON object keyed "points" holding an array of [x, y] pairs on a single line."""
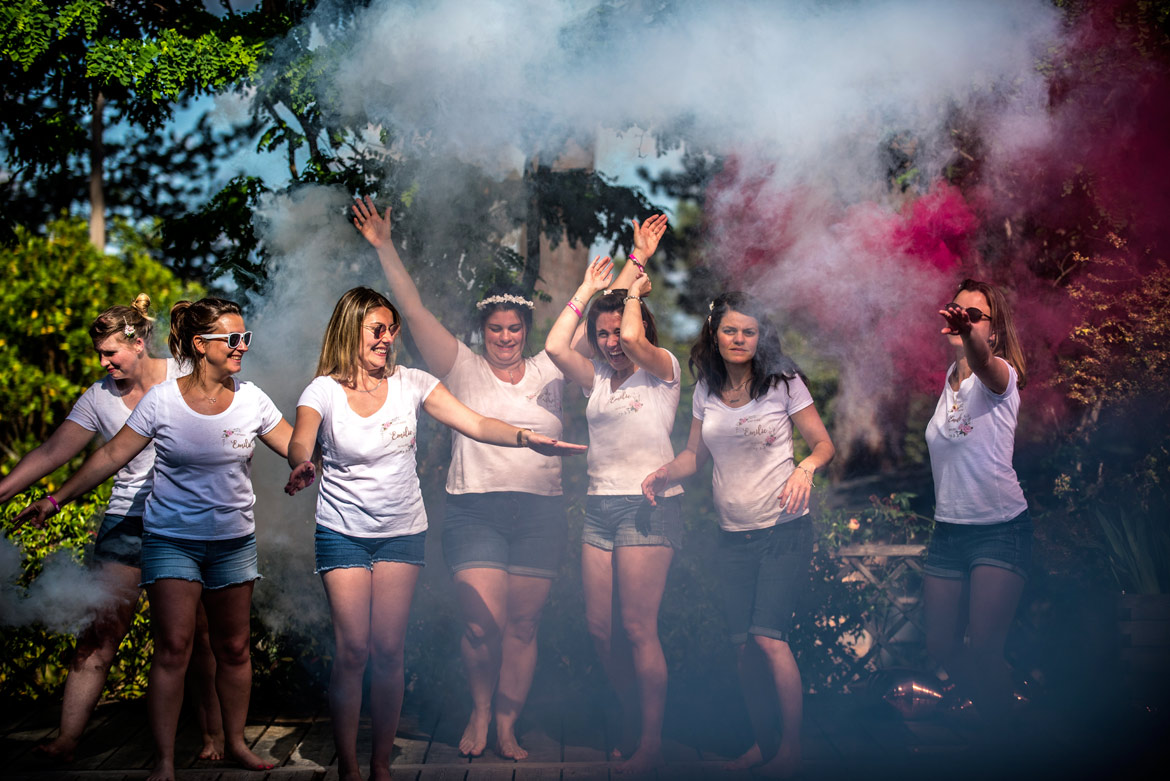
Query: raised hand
{"points": [[958, 323], [302, 477], [547, 446], [654, 483], [36, 513], [640, 286], [647, 235], [598, 274], [374, 227]]}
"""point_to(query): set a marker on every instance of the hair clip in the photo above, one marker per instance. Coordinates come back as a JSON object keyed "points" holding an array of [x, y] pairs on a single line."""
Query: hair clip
{"points": [[127, 330]]}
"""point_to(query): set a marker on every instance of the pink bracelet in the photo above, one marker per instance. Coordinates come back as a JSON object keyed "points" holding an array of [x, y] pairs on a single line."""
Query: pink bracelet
{"points": [[636, 263], [53, 502], [575, 308]]}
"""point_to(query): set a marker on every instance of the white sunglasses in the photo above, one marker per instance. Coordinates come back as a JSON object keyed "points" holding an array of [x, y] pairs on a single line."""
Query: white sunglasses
{"points": [[233, 339]]}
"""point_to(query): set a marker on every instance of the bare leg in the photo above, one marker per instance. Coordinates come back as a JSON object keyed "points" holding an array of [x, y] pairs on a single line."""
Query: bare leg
{"points": [[201, 675], [789, 693], [96, 649], [756, 682], [394, 584], [943, 613], [526, 598], [229, 622], [172, 617], [597, 577], [350, 593], [995, 595], [483, 599], [641, 580]]}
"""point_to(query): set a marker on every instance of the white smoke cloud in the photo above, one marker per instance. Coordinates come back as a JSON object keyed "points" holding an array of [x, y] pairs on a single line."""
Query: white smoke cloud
{"points": [[64, 597]]}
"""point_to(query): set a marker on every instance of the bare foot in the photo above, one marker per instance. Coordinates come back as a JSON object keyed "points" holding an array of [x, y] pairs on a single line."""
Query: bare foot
{"points": [[243, 756], [786, 763], [380, 773], [474, 739], [644, 760], [748, 759], [59, 750], [212, 747], [163, 771], [507, 746]]}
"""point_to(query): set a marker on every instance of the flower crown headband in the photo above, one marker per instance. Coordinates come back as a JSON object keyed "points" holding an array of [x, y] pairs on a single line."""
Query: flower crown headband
{"points": [[506, 298]]}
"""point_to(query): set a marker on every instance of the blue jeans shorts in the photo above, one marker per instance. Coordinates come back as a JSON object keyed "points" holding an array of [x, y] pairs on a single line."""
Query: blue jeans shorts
{"points": [[214, 563], [522, 534], [119, 540], [619, 521], [335, 550], [956, 548], [764, 573]]}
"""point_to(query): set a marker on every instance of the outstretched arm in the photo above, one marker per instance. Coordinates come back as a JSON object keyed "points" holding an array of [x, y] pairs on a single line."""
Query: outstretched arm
{"points": [[67, 441], [300, 449], [437, 345], [559, 343], [448, 410], [992, 373], [646, 238], [683, 466], [108, 459], [277, 438]]}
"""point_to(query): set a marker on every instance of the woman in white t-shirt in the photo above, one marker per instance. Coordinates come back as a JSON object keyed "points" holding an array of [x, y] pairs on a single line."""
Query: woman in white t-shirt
{"points": [[504, 530], [981, 548], [362, 412], [198, 541], [121, 337], [746, 401], [627, 543]]}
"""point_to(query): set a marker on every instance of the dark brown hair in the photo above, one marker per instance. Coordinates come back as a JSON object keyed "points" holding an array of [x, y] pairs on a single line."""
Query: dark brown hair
{"points": [[769, 365], [615, 301], [192, 318]]}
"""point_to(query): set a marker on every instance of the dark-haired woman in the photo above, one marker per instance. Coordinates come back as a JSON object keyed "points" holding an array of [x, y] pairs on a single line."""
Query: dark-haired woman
{"points": [[981, 548], [504, 533], [627, 544], [198, 541], [362, 410], [746, 401], [121, 337]]}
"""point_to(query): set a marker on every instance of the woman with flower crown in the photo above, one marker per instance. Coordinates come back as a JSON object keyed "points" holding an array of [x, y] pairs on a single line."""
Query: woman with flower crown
{"points": [[504, 534]]}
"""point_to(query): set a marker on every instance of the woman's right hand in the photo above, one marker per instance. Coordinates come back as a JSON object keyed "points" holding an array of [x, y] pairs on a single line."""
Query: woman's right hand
{"points": [[302, 477], [375, 227], [654, 484], [598, 275], [36, 513]]}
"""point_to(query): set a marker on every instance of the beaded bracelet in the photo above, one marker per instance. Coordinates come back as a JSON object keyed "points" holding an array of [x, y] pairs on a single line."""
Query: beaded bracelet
{"points": [[634, 260]]}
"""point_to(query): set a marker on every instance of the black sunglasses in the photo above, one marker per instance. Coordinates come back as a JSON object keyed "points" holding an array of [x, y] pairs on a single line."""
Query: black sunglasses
{"points": [[233, 339]]}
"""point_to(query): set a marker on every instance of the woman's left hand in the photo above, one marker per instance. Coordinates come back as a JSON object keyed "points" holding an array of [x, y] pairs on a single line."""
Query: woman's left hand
{"points": [[647, 235], [301, 478], [796, 491], [547, 446], [36, 513], [957, 321], [598, 275], [640, 286]]}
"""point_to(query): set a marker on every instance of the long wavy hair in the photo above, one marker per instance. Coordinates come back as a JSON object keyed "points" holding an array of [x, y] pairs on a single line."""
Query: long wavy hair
{"points": [[192, 318], [615, 301], [770, 365], [342, 345], [1005, 342]]}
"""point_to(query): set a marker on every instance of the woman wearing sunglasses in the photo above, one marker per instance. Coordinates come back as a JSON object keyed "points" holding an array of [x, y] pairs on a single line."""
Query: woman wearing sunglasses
{"points": [[198, 543], [981, 548], [121, 337], [747, 400], [362, 412]]}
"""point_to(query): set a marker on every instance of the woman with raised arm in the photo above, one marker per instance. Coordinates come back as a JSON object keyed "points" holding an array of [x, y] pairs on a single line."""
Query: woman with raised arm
{"points": [[746, 401], [198, 541], [121, 337], [361, 412], [504, 532], [981, 548], [627, 543]]}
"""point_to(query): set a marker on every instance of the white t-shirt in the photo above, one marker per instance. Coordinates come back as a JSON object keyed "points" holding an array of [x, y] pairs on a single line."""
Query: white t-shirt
{"points": [[101, 410], [369, 482], [203, 463], [751, 447], [533, 403], [629, 429], [971, 437]]}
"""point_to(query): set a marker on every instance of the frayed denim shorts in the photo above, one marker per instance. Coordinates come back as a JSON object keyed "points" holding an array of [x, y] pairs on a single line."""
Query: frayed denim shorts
{"points": [[335, 550], [764, 575], [957, 548], [522, 534], [621, 521], [214, 563], [119, 540]]}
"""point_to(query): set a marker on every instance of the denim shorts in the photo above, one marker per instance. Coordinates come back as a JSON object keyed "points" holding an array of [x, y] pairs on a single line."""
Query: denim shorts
{"points": [[620, 521], [214, 563], [119, 540], [956, 548], [335, 550], [523, 534], [764, 573]]}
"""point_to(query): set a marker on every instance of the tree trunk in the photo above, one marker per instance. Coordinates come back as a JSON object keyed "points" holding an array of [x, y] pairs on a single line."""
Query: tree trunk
{"points": [[532, 226], [97, 153]]}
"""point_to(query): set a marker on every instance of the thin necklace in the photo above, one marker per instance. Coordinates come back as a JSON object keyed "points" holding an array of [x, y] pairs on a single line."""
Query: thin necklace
{"points": [[377, 385], [738, 388]]}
